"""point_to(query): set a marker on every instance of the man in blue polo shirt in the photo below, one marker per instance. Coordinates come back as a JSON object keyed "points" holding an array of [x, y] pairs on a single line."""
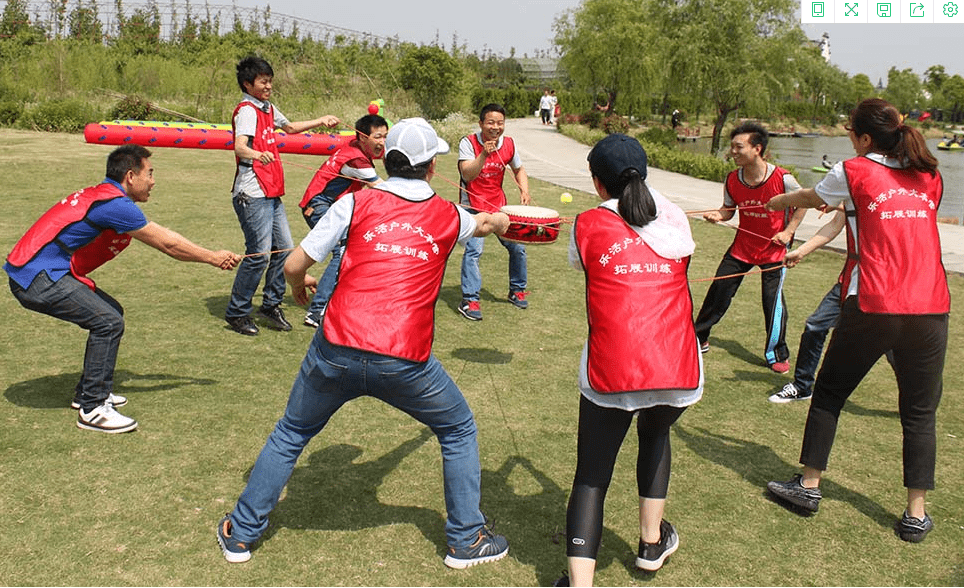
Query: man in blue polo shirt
{"points": [[48, 270]]}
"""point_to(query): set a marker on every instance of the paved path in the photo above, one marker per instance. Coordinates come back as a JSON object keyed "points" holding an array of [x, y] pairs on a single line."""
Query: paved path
{"points": [[550, 156]]}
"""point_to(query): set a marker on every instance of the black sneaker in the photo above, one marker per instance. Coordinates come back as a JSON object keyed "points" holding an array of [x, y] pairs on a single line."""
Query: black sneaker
{"points": [[563, 580], [242, 324], [652, 555], [518, 298], [795, 493], [487, 547], [789, 393], [471, 309], [913, 529], [234, 551], [276, 318]]}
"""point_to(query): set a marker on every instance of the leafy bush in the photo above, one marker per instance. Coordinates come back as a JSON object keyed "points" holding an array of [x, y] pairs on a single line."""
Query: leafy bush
{"points": [[9, 112], [131, 108], [592, 119], [658, 135], [62, 116], [615, 124], [676, 160]]}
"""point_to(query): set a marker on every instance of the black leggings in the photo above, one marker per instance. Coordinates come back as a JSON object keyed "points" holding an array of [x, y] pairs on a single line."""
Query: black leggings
{"points": [[601, 433]]}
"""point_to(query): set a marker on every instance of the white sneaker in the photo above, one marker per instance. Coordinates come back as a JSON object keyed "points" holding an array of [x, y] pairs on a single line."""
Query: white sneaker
{"points": [[105, 419], [115, 399]]}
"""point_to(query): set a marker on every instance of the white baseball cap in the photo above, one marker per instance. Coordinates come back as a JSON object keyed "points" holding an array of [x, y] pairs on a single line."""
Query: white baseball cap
{"points": [[415, 139]]}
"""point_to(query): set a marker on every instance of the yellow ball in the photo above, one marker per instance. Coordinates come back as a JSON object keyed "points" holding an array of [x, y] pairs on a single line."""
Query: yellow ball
{"points": [[566, 197]]}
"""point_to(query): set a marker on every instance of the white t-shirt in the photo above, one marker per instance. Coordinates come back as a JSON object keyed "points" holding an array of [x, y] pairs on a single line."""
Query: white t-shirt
{"points": [[246, 123]]}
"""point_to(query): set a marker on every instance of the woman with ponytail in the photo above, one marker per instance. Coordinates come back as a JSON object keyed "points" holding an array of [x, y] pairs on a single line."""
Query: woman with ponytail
{"points": [[642, 357], [895, 297]]}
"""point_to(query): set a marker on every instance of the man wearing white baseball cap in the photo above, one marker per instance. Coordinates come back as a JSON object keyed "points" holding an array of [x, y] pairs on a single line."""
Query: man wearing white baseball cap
{"points": [[399, 236]]}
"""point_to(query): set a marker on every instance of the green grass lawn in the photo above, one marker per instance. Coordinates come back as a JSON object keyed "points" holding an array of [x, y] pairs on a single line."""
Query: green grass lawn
{"points": [[364, 505]]}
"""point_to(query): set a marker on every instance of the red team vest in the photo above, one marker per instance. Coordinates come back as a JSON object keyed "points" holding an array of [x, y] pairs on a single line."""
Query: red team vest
{"points": [[394, 245], [640, 311], [270, 176], [331, 169], [898, 249], [750, 246], [70, 210], [485, 191]]}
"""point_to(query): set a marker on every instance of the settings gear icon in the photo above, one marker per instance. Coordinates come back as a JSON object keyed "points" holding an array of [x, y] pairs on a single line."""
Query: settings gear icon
{"points": [[950, 10]]}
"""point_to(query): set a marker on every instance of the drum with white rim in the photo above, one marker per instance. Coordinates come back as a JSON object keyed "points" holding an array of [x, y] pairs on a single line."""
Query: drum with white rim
{"points": [[531, 225]]}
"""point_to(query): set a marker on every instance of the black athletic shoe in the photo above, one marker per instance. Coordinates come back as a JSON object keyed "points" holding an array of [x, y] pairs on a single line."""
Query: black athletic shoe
{"points": [[243, 325], [563, 580], [652, 555], [488, 547], [795, 493], [276, 318], [913, 529]]}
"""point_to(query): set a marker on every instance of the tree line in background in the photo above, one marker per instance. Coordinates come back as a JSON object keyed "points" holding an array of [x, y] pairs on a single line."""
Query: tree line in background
{"points": [[636, 59]]}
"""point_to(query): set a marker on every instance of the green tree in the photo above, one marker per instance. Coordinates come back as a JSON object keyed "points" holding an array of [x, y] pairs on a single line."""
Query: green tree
{"points": [[610, 46], [953, 97], [434, 77], [903, 89], [862, 88], [83, 24], [15, 24], [737, 52]]}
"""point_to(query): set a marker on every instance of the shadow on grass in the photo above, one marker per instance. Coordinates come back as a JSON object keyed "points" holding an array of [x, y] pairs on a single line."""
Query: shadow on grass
{"points": [[334, 492], [735, 349], [217, 305], [482, 355], [758, 464], [452, 296], [535, 523], [57, 391]]}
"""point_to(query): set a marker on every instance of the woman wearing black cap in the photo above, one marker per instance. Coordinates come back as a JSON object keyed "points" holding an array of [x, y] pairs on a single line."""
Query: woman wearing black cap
{"points": [[642, 356]]}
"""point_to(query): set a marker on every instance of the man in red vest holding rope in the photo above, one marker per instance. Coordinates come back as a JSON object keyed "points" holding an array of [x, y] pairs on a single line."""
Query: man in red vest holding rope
{"points": [[761, 240], [48, 270], [483, 157], [398, 235]]}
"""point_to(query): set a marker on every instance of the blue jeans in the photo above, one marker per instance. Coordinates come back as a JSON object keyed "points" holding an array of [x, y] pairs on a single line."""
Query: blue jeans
{"points": [[326, 285], [95, 311], [330, 376], [265, 228], [472, 277], [814, 336]]}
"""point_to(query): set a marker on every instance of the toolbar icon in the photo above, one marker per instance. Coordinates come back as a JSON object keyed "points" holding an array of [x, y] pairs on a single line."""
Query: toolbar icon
{"points": [[850, 8], [950, 10], [917, 10], [817, 10], [884, 10]]}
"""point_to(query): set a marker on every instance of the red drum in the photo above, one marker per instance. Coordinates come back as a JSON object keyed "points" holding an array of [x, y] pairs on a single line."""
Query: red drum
{"points": [[532, 225]]}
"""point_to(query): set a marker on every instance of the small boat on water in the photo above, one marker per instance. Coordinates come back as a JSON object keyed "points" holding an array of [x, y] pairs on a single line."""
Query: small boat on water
{"points": [[951, 145]]}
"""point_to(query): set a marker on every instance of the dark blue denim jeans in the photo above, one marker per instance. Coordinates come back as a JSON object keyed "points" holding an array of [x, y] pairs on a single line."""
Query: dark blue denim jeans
{"points": [[814, 336], [326, 285], [332, 375], [92, 310], [265, 229]]}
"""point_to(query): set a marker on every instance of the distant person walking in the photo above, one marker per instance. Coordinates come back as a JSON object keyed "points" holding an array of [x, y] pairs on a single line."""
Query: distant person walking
{"points": [[545, 107], [895, 298]]}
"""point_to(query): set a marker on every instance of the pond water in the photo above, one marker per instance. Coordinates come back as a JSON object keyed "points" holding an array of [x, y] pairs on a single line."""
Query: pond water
{"points": [[806, 152]]}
